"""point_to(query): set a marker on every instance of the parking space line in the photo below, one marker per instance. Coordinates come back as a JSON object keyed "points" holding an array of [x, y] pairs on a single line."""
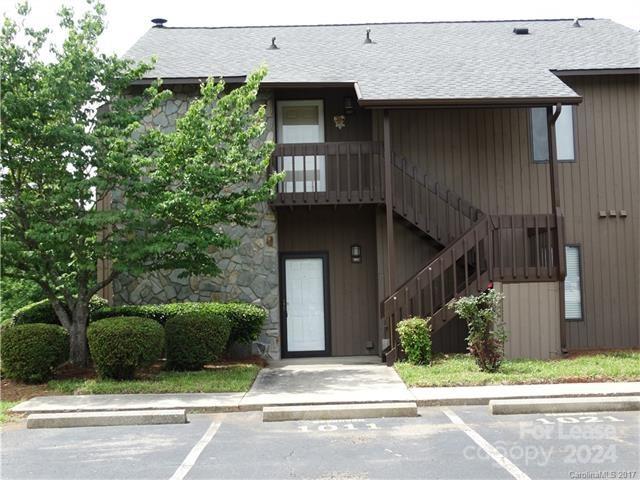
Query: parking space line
{"points": [[503, 461], [195, 452]]}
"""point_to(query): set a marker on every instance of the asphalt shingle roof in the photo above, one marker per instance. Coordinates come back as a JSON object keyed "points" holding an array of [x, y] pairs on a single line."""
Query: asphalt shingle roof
{"points": [[407, 61]]}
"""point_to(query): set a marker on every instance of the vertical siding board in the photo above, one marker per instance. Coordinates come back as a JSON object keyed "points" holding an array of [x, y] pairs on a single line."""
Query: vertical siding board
{"points": [[612, 188], [622, 279], [633, 123]]}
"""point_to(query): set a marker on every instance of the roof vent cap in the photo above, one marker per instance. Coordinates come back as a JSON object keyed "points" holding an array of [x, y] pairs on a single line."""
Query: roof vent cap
{"points": [[521, 31], [273, 45], [368, 37], [576, 23], [158, 22]]}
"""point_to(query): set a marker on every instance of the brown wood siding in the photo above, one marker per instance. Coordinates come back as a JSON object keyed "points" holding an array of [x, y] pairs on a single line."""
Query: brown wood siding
{"points": [[485, 156], [605, 177], [530, 312], [412, 250], [353, 287], [482, 154], [357, 126]]}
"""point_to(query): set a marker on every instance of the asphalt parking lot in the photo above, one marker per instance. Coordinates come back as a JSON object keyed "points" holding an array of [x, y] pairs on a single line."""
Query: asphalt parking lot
{"points": [[451, 442]]}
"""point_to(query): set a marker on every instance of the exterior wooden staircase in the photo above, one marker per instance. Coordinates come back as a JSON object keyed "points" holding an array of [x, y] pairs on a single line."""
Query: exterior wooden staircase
{"points": [[476, 249]]}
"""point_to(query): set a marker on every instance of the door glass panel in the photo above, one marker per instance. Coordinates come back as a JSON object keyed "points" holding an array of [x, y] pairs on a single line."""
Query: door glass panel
{"points": [[305, 304], [301, 122]]}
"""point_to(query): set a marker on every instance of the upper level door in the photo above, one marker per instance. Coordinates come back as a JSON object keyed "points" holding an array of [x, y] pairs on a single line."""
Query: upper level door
{"points": [[301, 121]]}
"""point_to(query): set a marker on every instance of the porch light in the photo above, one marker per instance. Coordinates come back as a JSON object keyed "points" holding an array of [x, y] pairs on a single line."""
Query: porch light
{"points": [[348, 105], [356, 253]]}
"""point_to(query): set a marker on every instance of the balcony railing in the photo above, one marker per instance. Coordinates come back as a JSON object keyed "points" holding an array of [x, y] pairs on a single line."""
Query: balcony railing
{"points": [[329, 173], [525, 248]]}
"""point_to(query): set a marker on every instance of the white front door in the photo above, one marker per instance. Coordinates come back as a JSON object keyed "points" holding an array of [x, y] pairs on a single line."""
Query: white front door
{"points": [[305, 304], [301, 121]]}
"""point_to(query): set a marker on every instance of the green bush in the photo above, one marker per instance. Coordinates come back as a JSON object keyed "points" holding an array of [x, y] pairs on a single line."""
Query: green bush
{"points": [[487, 335], [195, 339], [43, 312], [121, 345], [246, 320], [415, 338], [31, 352], [158, 313]]}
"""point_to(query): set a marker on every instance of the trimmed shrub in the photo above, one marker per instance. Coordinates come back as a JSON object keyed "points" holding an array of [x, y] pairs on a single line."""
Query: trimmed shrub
{"points": [[121, 345], [43, 312], [415, 338], [155, 312], [487, 335], [195, 339], [31, 352], [246, 320]]}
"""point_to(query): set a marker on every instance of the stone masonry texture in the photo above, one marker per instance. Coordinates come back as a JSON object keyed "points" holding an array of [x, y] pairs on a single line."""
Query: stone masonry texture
{"points": [[249, 271]]}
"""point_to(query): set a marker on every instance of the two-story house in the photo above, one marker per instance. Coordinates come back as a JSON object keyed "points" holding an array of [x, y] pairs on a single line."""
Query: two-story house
{"points": [[426, 161]]}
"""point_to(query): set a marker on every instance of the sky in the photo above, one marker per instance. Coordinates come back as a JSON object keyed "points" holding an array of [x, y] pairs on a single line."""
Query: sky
{"points": [[127, 20]]}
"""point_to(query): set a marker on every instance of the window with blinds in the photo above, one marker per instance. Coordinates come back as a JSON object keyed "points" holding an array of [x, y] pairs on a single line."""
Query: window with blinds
{"points": [[573, 284]]}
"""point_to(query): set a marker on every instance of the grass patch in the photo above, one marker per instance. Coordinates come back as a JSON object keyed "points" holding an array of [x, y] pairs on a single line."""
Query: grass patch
{"points": [[460, 370], [5, 416], [231, 378]]}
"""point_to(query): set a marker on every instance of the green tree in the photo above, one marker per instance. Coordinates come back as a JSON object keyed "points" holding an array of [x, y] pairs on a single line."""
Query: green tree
{"points": [[72, 135], [16, 293]]}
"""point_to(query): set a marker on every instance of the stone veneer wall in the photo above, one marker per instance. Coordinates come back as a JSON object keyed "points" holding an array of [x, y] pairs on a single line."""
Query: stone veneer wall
{"points": [[249, 271]]}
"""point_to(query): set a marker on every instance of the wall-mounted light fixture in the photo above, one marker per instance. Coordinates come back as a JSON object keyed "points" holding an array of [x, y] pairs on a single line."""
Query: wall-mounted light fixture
{"points": [[356, 253], [348, 105]]}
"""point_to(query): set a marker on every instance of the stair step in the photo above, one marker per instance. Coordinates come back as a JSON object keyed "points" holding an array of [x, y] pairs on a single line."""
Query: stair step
{"points": [[339, 411]]}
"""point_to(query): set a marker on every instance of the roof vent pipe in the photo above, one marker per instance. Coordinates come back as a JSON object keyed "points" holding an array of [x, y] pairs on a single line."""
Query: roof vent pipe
{"points": [[273, 45], [576, 23], [158, 22], [521, 31], [368, 38]]}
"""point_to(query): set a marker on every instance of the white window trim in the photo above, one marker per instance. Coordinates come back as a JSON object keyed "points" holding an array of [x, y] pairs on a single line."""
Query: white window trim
{"points": [[299, 103], [288, 162]]}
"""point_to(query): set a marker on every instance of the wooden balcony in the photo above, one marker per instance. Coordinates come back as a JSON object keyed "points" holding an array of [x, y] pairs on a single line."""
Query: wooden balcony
{"points": [[332, 173], [525, 248]]}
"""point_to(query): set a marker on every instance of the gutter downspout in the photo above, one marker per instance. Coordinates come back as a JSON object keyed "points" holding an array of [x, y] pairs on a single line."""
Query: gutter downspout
{"points": [[556, 210]]}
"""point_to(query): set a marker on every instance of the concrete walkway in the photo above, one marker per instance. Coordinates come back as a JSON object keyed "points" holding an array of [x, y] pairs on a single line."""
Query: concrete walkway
{"points": [[326, 381], [317, 382]]}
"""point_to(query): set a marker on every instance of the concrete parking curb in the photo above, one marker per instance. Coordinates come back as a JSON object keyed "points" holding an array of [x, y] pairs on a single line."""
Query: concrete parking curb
{"points": [[339, 411], [564, 405], [106, 419]]}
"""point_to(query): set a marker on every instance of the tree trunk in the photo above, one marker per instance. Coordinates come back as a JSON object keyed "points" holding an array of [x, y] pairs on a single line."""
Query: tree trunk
{"points": [[79, 348]]}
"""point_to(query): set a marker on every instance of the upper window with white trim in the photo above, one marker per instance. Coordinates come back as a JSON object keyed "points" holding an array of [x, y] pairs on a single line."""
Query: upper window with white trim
{"points": [[564, 135]]}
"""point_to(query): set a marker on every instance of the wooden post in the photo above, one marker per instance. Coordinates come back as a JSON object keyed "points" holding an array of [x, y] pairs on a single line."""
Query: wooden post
{"points": [[388, 201], [556, 210]]}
